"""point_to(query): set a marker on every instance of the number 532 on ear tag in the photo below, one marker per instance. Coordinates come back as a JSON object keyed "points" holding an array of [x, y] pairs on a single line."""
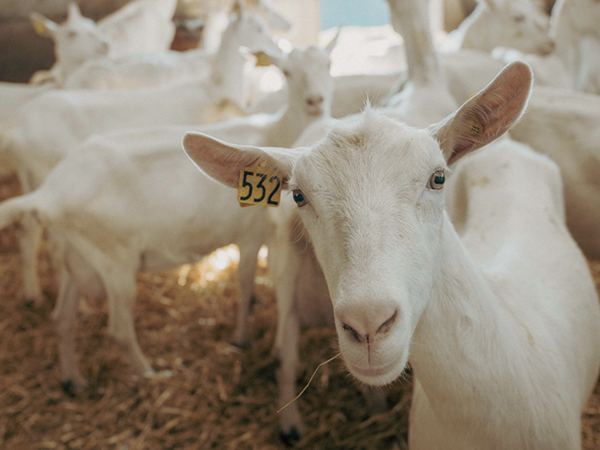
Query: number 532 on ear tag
{"points": [[259, 185]]}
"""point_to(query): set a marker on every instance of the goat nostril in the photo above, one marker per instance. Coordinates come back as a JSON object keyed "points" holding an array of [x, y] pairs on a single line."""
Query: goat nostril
{"points": [[353, 332], [314, 100], [385, 326]]}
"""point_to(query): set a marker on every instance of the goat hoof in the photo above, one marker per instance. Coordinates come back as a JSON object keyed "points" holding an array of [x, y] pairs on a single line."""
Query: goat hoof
{"points": [[30, 303], [291, 436], [244, 345], [69, 388], [253, 301]]}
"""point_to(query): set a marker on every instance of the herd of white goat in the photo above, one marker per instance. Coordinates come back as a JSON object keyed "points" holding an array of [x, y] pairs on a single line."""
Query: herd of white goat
{"points": [[475, 275]]}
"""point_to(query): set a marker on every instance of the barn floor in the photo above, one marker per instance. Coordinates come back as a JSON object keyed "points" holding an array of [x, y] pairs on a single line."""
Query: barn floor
{"points": [[217, 397]]}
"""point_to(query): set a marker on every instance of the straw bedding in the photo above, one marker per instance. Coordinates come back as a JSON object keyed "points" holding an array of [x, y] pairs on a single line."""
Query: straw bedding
{"points": [[217, 396]]}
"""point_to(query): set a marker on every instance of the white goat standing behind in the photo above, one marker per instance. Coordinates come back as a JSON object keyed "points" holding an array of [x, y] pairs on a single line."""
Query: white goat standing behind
{"points": [[504, 334], [572, 22], [76, 41], [517, 24], [215, 18], [136, 208], [53, 124], [226, 67], [565, 126], [511, 23], [141, 26]]}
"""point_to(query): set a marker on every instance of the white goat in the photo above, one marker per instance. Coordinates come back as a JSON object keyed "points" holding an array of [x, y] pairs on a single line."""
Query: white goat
{"points": [[514, 24], [139, 26], [565, 126], [76, 41], [151, 69], [52, 124], [588, 79], [215, 18], [301, 291], [146, 168], [572, 21], [504, 334]]}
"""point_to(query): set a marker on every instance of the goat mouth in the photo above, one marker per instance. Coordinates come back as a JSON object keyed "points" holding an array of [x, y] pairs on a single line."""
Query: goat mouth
{"points": [[314, 111], [377, 376]]}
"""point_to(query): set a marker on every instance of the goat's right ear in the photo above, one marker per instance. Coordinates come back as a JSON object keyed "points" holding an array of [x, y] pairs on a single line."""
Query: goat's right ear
{"points": [[487, 115], [42, 25], [223, 162]]}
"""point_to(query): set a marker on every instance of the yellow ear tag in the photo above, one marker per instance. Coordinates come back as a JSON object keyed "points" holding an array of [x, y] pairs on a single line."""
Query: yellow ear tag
{"points": [[39, 27], [259, 185], [473, 95], [476, 127], [262, 59]]}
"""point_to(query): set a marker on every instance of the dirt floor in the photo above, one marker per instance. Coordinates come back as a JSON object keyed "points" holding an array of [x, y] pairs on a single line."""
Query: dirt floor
{"points": [[218, 396]]}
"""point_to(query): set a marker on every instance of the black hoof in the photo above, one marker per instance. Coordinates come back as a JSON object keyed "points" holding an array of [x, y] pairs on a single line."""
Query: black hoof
{"points": [[242, 345], [290, 437], [68, 388], [253, 301], [29, 303]]}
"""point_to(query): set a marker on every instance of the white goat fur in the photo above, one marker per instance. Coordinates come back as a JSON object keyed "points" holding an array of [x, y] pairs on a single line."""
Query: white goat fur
{"points": [[151, 69], [504, 334], [76, 41], [510, 23], [139, 26], [514, 24], [565, 126], [572, 22], [215, 18], [146, 168]]}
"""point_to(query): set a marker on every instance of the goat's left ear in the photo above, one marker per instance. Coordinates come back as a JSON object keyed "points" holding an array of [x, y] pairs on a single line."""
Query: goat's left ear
{"points": [[487, 115], [223, 162], [329, 47], [74, 13]]}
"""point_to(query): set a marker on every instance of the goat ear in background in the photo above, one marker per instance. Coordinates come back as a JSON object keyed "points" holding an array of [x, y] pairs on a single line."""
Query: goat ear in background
{"points": [[43, 26], [487, 115], [329, 47], [74, 12], [238, 8], [223, 162]]}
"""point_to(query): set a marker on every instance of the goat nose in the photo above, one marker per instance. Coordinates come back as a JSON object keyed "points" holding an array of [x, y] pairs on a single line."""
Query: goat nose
{"points": [[313, 101], [363, 323]]}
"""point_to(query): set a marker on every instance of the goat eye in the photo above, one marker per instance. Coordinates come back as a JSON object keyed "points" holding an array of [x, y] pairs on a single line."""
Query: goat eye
{"points": [[436, 181], [71, 34], [287, 73], [299, 197], [519, 19]]}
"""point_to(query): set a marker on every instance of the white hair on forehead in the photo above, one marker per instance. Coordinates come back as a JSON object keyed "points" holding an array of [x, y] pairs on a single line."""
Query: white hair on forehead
{"points": [[370, 148]]}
